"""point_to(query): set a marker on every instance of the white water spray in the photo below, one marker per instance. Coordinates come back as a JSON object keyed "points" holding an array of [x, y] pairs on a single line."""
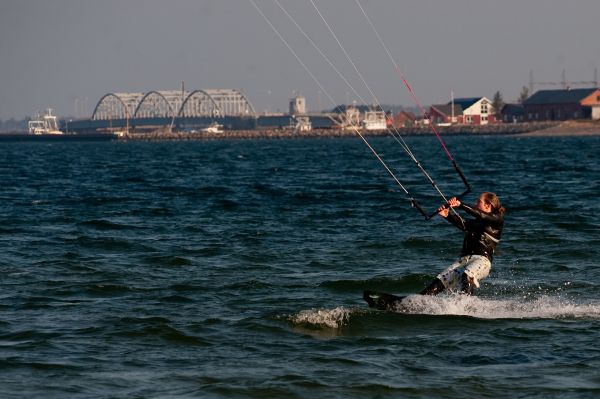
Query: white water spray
{"points": [[545, 307]]}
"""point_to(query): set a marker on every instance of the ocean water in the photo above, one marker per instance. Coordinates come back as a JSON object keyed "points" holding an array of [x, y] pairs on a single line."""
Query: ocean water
{"points": [[235, 269]]}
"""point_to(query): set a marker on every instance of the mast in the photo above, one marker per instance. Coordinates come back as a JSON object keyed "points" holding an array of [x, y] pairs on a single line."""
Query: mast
{"points": [[452, 105]]}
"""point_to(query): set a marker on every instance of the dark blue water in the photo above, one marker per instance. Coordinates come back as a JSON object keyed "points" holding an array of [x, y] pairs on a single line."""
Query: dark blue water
{"points": [[236, 269]]}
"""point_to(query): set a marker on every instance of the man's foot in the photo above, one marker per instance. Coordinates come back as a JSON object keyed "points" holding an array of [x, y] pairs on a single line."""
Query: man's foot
{"points": [[467, 285], [434, 288]]}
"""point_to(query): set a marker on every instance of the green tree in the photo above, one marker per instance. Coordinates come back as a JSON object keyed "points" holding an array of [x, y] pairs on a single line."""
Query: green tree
{"points": [[497, 104]]}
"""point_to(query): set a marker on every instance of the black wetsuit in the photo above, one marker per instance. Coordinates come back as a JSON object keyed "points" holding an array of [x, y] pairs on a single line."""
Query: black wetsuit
{"points": [[482, 234]]}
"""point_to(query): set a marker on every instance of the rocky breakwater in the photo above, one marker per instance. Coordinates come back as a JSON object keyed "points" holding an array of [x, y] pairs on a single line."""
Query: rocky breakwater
{"points": [[495, 129]]}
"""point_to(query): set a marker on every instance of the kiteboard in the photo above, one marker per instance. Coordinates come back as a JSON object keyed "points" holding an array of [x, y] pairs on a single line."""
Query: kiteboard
{"points": [[382, 300]]}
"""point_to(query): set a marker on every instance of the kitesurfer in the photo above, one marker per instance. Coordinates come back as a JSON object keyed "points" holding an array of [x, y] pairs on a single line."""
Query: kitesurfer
{"points": [[482, 234]]}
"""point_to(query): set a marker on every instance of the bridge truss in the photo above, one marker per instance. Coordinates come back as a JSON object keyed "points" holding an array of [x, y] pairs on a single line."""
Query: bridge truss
{"points": [[172, 104]]}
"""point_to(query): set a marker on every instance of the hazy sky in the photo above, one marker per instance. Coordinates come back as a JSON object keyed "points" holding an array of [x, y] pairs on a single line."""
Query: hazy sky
{"points": [[67, 54]]}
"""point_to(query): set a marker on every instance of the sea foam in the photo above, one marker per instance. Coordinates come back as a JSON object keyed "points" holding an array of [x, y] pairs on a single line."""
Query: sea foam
{"points": [[330, 318], [544, 307]]}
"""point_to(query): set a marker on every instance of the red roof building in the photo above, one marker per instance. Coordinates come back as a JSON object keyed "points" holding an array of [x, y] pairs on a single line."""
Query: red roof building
{"points": [[469, 111], [403, 119]]}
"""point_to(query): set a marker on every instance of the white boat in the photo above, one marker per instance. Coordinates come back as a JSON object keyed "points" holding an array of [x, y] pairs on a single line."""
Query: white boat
{"points": [[213, 128], [44, 125], [374, 120]]}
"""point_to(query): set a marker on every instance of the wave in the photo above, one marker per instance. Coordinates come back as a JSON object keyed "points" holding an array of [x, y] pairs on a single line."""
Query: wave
{"points": [[108, 243], [169, 260], [330, 318], [104, 224], [153, 328], [545, 307]]}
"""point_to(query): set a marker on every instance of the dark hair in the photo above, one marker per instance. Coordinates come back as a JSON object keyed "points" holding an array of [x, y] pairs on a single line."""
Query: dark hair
{"points": [[494, 201]]}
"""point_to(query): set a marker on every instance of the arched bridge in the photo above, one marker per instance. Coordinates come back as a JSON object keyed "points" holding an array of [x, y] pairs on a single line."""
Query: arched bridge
{"points": [[213, 103]]}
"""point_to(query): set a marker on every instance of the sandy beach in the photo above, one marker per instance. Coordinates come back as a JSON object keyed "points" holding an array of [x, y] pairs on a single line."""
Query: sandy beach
{"points": [[568, 128]]}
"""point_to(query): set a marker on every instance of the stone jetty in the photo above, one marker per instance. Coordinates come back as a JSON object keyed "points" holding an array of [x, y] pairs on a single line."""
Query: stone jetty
{"points": [[536, 128]]}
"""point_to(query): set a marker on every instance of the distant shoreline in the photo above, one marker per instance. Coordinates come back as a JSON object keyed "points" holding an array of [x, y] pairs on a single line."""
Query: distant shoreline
{"points": [[567, 128], [535, 129], [539, 129]]}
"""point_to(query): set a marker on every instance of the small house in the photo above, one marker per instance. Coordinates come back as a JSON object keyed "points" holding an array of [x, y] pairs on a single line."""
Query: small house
{"points": [[445, 114], [469, 111], [403, 119]]}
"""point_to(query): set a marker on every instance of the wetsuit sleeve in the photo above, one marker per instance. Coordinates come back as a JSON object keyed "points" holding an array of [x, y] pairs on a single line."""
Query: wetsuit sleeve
{"points": [[456, 221], [489, 218]]}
